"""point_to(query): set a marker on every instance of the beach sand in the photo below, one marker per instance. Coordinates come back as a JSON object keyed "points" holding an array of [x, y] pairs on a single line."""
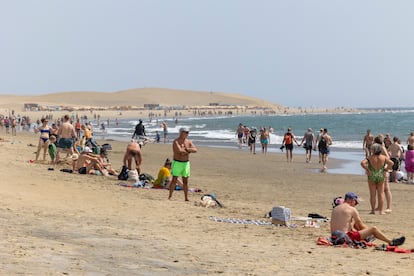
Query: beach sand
{"points": [[56, 223]]}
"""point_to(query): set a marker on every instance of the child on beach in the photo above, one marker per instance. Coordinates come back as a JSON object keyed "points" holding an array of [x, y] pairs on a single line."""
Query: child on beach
{"points": [[52, 150]]}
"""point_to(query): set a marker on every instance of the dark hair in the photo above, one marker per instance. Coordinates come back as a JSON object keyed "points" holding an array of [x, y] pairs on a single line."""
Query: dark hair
{"points": [[167, 162]]}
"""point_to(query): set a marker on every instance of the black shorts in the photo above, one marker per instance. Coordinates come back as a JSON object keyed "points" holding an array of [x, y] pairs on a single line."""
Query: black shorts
{"points": [[289, 146]]}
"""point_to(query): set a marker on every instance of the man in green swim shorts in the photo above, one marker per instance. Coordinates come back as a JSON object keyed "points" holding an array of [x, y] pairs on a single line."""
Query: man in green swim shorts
{"points": [[182, 147]]}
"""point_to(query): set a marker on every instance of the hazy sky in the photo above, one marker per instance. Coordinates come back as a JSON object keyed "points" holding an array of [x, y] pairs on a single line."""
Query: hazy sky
{"points": [[305, 53]]}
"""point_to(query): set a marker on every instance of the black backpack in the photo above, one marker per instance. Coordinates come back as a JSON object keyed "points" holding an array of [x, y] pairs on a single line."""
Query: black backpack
{"points": [[322, 143], [123, 175]]}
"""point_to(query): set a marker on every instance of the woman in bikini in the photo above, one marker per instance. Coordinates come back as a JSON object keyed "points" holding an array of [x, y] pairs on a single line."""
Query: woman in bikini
{"points": [[44, 130], [376, 166]]}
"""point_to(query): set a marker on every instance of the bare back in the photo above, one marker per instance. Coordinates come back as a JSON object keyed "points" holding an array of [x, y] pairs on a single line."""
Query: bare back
{"points": [[343, 218], [66, 130]]}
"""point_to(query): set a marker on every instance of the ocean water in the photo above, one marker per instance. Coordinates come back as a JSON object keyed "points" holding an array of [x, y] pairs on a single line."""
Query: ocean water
{"points": [[347, 130]]}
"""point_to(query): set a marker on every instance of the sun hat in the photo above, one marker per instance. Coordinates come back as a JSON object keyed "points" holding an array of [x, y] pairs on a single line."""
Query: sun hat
{"points": [[74, 157], [351, 195]]}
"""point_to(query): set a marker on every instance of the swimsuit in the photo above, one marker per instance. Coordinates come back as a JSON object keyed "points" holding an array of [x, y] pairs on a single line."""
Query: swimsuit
{"points": [[44, 139], [180, 168], [265, 141], [377, 175], [65, 143], [354, 235]]}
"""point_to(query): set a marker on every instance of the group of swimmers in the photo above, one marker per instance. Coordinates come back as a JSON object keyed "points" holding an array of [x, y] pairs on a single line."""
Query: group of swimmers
{"points": [[248, 136]]}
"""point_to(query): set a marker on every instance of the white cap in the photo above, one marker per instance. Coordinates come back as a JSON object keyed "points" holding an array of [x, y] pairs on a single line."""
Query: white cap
{"points": [[184, 129], [86, 149]]}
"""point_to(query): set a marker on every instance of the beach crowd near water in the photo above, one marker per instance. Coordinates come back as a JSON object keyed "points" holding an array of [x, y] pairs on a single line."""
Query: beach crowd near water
{"points": [[70, 144]]}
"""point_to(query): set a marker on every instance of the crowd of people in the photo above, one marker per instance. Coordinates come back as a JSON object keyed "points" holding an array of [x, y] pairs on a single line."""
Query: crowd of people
{"points": [[73, 137], [320, 142], [384, 157], [382, 165]]}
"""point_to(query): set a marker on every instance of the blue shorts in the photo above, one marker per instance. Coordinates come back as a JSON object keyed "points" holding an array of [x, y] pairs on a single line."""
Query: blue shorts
{"points": [[324, 151], [180, 168]]}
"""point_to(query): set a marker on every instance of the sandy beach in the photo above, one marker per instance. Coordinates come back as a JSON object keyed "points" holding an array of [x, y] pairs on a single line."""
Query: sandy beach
{"points": [[60, 223]]}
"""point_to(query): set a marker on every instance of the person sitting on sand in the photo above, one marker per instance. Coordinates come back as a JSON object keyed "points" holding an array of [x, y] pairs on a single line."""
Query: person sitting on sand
{"points": [[103, 158], [345, 218], [87, 163], [133, 151], [44, 130], [164, 177]]}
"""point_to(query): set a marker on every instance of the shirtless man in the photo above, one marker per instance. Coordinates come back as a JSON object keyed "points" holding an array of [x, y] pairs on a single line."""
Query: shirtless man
{"points": [[396, 153], [182, 147], [324, 144], [367, 143], [345, 218], [410, 140], [133, 151], [86, 162], [164, 126], [309, 139], [240, 133], [66, 133]]}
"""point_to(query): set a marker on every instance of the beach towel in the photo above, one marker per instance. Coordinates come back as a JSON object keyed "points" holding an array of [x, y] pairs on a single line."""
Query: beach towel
{"points": [[248, 221], [395, 249], [352, 244]]}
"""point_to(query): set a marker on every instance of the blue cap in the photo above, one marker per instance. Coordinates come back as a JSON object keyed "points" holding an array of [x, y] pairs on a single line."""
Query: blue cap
{"points": [[351, 195]]}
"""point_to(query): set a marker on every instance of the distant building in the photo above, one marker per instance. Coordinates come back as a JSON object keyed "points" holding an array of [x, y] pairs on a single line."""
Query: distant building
{"points": [[151, 106], [31, 106]]}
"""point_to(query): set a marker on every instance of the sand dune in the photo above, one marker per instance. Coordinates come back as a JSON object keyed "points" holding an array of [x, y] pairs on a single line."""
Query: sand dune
{"points": [[136, 97]]}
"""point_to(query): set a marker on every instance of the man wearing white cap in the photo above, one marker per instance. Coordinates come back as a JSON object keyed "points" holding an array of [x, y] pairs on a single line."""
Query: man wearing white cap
{"points": [[182, 147]]}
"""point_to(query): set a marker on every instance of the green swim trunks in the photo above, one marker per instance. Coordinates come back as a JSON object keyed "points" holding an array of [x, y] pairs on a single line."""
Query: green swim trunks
{"points": [[180, 168], [65, 143]]}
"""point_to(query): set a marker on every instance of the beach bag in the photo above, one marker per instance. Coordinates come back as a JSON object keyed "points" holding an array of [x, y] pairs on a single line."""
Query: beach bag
{"points": [[146, 177], [123, 175], [280, 215], [133, 175]]}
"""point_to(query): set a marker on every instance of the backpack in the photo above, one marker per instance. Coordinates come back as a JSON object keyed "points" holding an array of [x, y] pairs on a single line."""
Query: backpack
{"points": [[322, 143], [288, 139], [146, 177], [123, 175]]}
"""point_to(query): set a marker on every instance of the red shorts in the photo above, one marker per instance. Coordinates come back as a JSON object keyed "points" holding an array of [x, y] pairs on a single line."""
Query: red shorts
{"points": [[354, 235]]}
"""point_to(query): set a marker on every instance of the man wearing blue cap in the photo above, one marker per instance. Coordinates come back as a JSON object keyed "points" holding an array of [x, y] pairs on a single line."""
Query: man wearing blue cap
{"points": [[345, 218]]}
